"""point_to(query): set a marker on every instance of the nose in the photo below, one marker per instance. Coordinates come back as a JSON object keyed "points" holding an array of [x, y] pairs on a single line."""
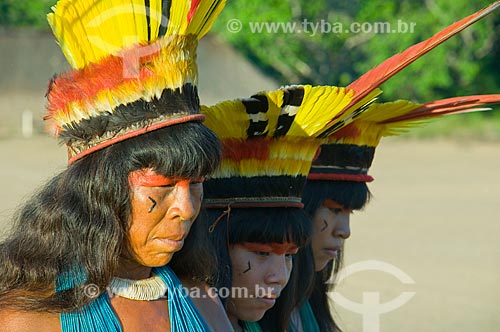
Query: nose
{"points": [[279, 271], [342, 228], [184, 205]]}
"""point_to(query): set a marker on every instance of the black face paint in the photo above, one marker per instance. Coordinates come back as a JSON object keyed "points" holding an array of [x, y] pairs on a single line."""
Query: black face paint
{"points": [[249, 268], [324, 227], [154, 204]]}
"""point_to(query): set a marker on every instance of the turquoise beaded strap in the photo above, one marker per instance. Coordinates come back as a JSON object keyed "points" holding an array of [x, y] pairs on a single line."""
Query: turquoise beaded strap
{"points": [[98, 316], [184, 317]]}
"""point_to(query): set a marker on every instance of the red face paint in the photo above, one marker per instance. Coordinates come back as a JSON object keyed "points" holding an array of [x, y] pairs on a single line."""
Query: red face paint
{"points": [[276, 248], [148, 178], [331, 204]]}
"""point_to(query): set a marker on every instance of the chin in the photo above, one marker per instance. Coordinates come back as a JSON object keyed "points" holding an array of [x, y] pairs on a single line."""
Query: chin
{"points": [[158, 261], [255, 316], [322, 265]]}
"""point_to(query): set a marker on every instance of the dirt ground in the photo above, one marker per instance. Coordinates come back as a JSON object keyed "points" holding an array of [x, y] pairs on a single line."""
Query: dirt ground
{"points": [[434, 216]]}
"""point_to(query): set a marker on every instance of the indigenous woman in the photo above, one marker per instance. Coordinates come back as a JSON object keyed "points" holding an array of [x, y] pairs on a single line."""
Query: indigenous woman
{"points": [[93, 249], [337, 185], [253, 200]]}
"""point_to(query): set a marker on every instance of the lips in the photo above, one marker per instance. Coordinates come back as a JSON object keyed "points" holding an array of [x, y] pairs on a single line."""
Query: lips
{"points": [[269, 300], [174, 245], [331, 251]]}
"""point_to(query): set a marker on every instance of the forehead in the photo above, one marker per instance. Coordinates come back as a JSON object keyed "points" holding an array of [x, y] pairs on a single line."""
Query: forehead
{"points": [[149, 178], [331, 204], [276, 248]]}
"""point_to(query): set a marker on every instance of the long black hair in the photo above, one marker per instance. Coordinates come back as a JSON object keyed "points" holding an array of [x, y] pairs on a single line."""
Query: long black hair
{"points": [[260, 225], [78, 221], [351, 195]]}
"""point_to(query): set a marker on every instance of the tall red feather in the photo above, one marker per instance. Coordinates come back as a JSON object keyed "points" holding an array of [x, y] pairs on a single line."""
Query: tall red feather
{"points": [[378, 75], [448, 106]]}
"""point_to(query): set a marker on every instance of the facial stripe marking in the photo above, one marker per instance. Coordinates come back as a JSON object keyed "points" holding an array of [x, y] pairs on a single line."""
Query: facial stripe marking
{"points": [[153, 206], [325, 226], [249, 268]]}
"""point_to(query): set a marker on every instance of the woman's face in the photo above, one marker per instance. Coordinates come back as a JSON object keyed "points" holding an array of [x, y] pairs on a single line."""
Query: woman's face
{"points": [[163, 210], [330, 229], [260, 272]]}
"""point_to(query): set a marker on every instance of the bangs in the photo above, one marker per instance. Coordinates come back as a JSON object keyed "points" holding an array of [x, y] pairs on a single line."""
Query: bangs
{"points": [[350, 194], [187, 150], [264, 225]]}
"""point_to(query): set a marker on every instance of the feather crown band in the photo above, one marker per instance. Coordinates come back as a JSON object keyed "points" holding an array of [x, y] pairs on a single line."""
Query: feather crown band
{"points": [[270, 140], [134, 68], [348, 153]]}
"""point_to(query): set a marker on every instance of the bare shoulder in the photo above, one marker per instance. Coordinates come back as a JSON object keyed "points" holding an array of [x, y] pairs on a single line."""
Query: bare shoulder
{"points": [[20, 321], [209, 305]]}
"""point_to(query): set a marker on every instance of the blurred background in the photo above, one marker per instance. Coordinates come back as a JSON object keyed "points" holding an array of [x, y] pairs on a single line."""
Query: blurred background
{"points": [[435, 212]]}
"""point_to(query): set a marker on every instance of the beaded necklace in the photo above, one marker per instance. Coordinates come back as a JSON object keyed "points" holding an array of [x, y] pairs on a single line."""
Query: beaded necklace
{"points": [[98, 316]]}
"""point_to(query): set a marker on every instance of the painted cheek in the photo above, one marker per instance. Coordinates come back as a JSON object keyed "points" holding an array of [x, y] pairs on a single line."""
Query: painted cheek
{"points": [[321, 221], [289, 265]]}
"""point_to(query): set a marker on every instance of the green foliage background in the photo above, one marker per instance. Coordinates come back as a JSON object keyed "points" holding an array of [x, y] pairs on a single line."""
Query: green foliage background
{"points": [[466, 64], [469, 63], [24, 12]]}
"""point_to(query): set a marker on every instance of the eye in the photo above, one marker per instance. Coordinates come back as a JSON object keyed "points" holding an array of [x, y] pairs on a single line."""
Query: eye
{"points": [[197, 181], [262, 253], [336, 210], [196, 185]]}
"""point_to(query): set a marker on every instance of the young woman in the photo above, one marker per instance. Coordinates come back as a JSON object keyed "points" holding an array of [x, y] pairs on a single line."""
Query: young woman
{"points": [[337, 183], [95, 249], [337, 186], [330, 202], [255, 249], [254, 210]]}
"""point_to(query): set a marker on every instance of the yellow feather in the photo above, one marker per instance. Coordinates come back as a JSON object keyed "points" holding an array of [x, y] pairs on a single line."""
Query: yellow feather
{"points": [[156, 15], [379, 112], [178, 13], [204, 17], [275, 100], [317, 110], [227, 119], [90, 30]]}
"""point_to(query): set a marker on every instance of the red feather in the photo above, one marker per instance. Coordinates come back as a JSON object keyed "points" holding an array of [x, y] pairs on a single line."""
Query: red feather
{"points": [[448, 106], [108, 74], [238, 150], [192, 10], [348, 131], [378, 75]]}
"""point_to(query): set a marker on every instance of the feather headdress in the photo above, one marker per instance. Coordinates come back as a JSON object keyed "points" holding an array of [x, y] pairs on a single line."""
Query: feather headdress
{"points": [[349, 153], [269, 142], [134, 68]]}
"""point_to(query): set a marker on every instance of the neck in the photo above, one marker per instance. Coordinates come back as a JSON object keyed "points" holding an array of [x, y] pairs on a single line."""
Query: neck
{"points": [[130, 269]]}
